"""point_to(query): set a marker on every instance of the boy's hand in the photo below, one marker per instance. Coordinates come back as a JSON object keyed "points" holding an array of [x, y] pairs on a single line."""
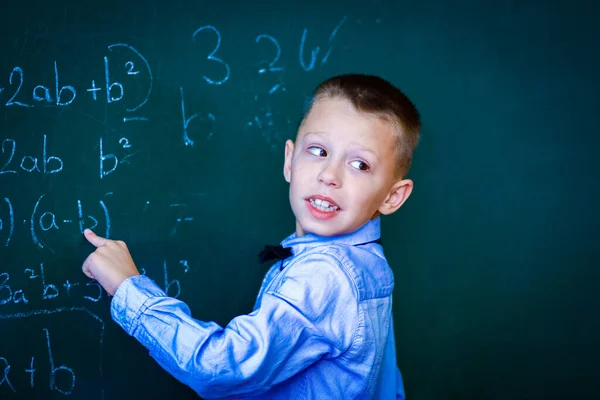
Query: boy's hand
{"points": [[110, 264]]}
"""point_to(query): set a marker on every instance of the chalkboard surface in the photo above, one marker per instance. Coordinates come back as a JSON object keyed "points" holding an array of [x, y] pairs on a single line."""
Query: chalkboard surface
{"points": [[163, 123]]}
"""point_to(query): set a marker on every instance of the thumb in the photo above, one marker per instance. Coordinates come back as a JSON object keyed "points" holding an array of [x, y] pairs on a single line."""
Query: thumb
{"points": [[94, 239], [86, 269]]}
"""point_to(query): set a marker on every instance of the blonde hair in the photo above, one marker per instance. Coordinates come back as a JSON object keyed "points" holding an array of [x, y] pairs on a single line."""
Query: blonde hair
{"points": [[374, 95]]}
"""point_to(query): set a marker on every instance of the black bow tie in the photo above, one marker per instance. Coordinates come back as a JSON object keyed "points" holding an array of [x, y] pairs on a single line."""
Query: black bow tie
{"points": [[274, 253], [279, 252]]}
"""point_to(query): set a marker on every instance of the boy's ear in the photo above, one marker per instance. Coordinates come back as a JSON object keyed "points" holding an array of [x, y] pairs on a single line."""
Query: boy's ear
{"points": [[398, 194], [287, 165]]}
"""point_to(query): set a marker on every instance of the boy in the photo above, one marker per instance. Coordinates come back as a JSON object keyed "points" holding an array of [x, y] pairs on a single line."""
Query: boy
{"points": [[322, 324]]}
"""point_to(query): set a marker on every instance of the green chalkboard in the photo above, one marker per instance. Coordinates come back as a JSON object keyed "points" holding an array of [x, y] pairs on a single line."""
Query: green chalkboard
{"points": [[163, 124]]}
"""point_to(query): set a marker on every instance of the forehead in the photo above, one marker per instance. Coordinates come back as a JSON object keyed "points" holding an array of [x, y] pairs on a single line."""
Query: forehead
{"points": [[338, 120]]}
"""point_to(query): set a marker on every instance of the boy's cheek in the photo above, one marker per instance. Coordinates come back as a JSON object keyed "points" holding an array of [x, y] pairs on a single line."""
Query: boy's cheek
{"points": [[300, 171]]}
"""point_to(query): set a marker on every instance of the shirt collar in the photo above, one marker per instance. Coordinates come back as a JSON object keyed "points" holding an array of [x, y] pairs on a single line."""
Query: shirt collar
{"points": [[366, 233]]}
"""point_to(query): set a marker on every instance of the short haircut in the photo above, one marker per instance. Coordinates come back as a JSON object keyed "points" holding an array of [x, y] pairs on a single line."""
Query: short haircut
{"points": [[374, 95]]}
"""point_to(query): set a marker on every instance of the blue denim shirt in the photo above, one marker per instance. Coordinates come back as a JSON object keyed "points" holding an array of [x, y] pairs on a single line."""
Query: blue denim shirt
{"points": [[321, 327]]}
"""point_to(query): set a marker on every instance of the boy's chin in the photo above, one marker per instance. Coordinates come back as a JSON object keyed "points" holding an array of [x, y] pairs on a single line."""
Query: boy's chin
{"points": [[322, 228]]}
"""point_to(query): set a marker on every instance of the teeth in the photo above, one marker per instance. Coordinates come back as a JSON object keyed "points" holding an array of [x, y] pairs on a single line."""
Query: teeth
{"points": [[323, 205]]}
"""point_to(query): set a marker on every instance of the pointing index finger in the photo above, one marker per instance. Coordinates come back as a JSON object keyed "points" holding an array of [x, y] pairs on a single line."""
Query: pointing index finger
{"points": [[94, 239]]}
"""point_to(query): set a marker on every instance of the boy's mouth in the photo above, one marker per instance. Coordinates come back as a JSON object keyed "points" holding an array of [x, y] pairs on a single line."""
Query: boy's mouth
{"points": [[324, 202], [322, 207]]}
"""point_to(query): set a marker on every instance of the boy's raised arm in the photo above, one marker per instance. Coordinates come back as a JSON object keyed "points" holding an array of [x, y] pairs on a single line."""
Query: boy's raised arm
{"points": [[292, 328], [296, 324]]}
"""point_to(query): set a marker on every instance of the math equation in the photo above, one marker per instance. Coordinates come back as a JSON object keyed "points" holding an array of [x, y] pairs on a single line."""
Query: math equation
{"points": [[49, 316]]}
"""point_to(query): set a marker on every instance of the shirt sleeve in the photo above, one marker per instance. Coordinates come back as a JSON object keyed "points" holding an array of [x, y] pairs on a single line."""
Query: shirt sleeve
{"points": [[310, 314]]}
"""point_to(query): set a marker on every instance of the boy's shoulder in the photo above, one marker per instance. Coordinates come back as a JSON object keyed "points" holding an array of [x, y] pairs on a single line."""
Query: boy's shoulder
{"points": [[365, 267]]}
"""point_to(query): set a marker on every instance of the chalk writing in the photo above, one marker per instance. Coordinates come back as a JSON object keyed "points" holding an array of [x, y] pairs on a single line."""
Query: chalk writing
{"points": [[65, 95], [51, 290], [91, 290], [57, 376], [5, 375], [125, 119], [111, 85], [8, 227], [124, 142], [180, 217], [11, 101], [47, 220], [212, 56], [54, 370], [314, 52], [175, 282], [103, 158], [150, 79], [186, 121], [93, 90], [5, 290], [49, 164], [53, 386], [186, 267], [121, 87], [272, 67], [41, 93], [59, 92], [136, 66]]}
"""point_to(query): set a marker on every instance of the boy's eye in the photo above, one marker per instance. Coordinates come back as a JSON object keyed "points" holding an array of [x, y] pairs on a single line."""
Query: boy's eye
{"points": [[360, 165], [317, 151]]}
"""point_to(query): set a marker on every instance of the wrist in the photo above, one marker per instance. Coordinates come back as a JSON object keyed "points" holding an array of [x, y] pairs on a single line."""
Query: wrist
{"points": [[119, 282]]}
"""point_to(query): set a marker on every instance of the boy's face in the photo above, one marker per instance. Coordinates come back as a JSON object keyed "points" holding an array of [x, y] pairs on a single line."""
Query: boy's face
{"points": [[341, 170]]}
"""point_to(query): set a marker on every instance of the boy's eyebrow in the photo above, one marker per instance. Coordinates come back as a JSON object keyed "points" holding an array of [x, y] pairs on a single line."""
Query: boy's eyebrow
{"points": [[313, 133], [355, 144], [364, 148]]}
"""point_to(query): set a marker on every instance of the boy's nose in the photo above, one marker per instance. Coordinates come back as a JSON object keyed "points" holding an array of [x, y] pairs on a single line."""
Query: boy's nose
{"points": [[330, 175]]}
